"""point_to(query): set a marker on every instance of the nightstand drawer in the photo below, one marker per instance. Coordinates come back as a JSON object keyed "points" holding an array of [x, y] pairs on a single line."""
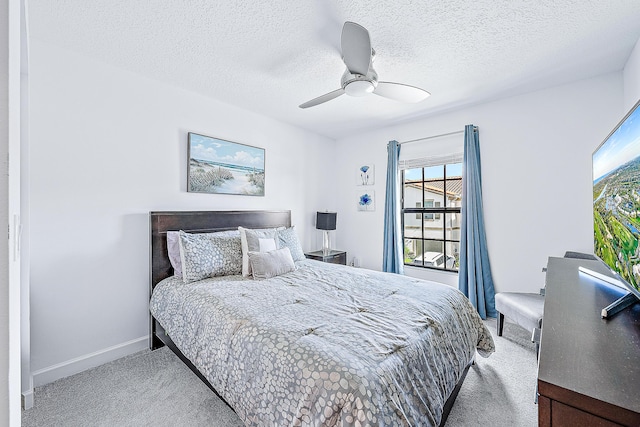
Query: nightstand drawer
{"points": [[337, 259], [333, 257]]}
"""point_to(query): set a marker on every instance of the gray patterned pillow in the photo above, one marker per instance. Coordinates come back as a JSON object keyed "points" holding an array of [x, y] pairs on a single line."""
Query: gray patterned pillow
{"points": [[173, 248], [288, 238], [265, 265], [208, 255]]}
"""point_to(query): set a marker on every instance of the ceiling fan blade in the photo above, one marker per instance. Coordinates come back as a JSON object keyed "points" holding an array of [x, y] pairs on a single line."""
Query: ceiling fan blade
{"points": [[356, 48], [400, 92], [323, 98]]}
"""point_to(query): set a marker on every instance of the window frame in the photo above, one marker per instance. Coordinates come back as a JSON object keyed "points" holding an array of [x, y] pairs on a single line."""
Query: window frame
{"points": [[436, 213]]}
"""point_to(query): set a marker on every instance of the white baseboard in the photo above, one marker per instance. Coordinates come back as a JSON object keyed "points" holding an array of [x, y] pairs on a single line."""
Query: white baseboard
{"points": [[88, 361], [27, 399]]}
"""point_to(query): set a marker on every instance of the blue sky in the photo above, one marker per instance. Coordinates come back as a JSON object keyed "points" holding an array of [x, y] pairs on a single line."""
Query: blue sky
{"points": [[219, 150], [622, 146], [433, 172]]}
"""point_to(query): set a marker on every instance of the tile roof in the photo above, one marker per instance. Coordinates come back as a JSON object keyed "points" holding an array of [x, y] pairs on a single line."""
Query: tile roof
{"points": [[436, 185]]}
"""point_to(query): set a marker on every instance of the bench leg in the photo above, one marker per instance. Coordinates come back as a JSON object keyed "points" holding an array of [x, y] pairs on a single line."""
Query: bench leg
{"points": [[536, 336], [500, 324]]}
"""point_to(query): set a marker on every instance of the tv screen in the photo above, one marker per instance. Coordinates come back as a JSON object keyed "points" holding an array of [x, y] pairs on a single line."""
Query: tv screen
{"points": [[616, 200]]}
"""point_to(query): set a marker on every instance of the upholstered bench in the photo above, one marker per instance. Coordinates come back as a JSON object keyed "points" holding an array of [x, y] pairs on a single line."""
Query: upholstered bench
{"points": [[523, 309], [526, 309]]}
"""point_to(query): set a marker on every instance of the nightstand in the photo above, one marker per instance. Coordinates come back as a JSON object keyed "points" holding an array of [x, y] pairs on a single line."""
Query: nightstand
{"points": [[334, 257]]}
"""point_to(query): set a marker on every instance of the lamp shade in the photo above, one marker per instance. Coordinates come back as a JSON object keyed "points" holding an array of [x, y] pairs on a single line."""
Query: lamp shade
{"points": [[326, 220]]}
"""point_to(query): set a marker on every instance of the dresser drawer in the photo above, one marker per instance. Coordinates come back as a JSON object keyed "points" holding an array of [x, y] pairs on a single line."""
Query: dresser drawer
{"points": [[568, 416]]}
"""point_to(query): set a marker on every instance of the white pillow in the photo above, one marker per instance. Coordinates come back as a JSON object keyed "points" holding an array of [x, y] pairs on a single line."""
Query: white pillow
{"points": [[173, 250], [250, 242], [267, 245], [265, 265]]}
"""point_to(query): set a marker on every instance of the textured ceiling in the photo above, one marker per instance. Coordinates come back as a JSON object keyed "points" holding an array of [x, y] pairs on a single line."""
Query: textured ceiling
{"points": [[271, 56]]}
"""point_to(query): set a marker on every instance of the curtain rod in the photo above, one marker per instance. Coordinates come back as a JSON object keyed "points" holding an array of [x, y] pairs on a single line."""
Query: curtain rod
{"points": [[475, 128]]}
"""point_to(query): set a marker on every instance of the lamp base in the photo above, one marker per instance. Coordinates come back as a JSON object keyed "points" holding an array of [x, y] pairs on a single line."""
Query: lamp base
{"points": [[326, 244]]}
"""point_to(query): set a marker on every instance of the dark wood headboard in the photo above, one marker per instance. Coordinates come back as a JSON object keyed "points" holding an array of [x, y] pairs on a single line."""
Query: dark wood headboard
{"points": [[202, 222]]}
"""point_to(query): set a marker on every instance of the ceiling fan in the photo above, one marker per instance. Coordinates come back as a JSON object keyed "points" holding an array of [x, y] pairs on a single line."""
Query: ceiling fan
{"points": [[360, 78]]}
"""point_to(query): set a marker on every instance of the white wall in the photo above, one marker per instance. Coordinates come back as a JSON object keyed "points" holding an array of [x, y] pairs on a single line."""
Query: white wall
{"points": [[536, 169], [632, 78], [631, 74], [106, 147]]}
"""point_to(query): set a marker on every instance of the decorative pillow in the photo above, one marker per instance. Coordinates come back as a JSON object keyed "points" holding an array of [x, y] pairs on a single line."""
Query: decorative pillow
{"points": [[208, 255], [266, 245], [173, 247], [250, 241], [288, 238], [265, 265], [173, 250]]}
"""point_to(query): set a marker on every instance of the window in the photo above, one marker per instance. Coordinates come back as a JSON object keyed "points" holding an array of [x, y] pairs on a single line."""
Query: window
{"points": [[429, 216], [430, 204], [431, 200]]}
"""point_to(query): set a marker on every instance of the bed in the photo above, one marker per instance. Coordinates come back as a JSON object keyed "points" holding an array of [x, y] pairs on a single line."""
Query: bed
{"points": [[323, 344]]}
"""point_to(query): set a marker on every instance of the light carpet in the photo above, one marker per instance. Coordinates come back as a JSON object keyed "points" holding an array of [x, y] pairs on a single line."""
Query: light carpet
{"points": [[157, 389]]}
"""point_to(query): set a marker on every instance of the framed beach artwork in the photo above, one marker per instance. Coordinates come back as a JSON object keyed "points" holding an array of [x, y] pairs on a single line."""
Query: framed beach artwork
{"points": [[366, 201], [217, 166], [365, 175]]}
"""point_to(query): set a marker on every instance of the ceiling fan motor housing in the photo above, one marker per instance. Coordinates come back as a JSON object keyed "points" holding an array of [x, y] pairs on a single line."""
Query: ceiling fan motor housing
{"points": [[359, 85]]}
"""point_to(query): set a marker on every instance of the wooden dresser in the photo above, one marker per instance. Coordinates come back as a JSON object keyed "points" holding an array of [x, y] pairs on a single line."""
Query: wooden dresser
{"points": [[589, 367]]}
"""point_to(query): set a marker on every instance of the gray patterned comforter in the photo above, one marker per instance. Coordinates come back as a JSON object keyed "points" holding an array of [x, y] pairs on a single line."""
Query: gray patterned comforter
{"points": [[326, 344]]}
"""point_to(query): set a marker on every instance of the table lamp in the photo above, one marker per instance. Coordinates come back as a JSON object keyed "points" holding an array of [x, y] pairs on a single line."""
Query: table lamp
{"points": [[326, 221]]}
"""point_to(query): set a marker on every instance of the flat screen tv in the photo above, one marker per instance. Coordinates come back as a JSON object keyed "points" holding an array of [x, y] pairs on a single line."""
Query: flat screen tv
{"points": [[616, 205]]}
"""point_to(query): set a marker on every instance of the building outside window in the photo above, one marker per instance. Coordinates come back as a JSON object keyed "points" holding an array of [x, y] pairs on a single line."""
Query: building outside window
{"points": [[431, 201]]}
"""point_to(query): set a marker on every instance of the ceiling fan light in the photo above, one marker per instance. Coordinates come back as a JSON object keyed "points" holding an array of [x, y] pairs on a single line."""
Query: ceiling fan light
{"points": [[359, 88]]}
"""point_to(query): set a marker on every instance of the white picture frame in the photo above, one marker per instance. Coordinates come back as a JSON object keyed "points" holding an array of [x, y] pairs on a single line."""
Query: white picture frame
{"points": [[366, 201], [366, 174]]}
